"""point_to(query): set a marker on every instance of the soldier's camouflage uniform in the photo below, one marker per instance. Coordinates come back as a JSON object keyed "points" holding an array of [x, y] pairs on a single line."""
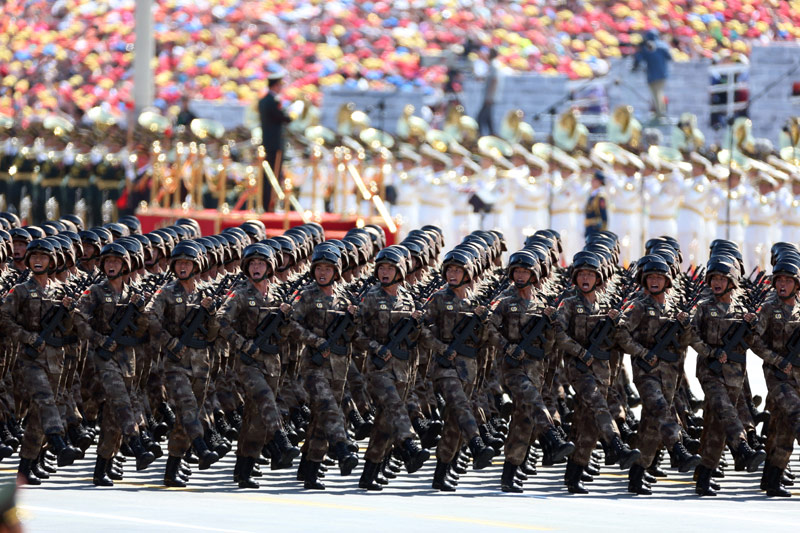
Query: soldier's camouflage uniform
{"points": [[312, 312], [388, 386], [259, 375], [456, 381], [115, 373], [523, 376], [636, 334], [186, 377], [22, 312], [592, 420], [776, 323]]}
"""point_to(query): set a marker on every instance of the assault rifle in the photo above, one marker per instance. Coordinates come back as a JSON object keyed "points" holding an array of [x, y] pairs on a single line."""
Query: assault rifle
{"points": [[193, 327], [533, 334], [336, 337]]}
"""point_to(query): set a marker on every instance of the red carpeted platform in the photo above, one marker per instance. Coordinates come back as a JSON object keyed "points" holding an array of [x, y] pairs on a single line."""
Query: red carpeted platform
{"points": [[212, 221]]}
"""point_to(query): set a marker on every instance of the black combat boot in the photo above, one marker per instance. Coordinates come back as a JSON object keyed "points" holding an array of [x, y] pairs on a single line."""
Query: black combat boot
{"points": [[5, 451], [222, 425], [591, 469], [507, 482], [481, 454], [367, 480], [311, 476], [572, 478], [66, 453], [504, 404], [413, 456], [748, 458], [387, 469], [432, 435], [149, 443], [217, 442], [157, 429], [684, 460], [167, 414], [246, 480], [754, 440], [691, 444], [38, 469], [24, 473], [558, 448], [633, 398], [361, 428], [347, 460], [79, 437], [114, 469], [440, 481], [703, 478], [289, 452], [7, 437], [636, 483], [489, 439], [620, 453], [205, 457], [100, 478], [237, 469], [771, 482], [171, 478], [143, 457], [655, 469]]}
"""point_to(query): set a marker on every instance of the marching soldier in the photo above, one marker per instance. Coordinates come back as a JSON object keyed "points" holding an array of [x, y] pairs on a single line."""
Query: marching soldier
{"points": [[114, 360], [324, 370], [523, 368], [454, 373], [381, 316], [588, 373], [186, 362], [39, 364], [721, 374], [259, 371], [655, 374], [777, 324]]}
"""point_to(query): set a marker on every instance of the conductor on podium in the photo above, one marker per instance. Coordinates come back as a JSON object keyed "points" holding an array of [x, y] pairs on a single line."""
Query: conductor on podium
{"points": [[272, 120]]}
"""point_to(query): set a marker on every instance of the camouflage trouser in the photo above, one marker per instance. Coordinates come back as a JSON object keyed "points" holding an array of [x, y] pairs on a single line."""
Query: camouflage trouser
{"points": [[118, 414], [422, 398], [39, 379], [742, 406], [227, 393], [658, 425], [784, 426], [327, 421], [392, 424], [292, 393], [66, 401], [530, 412], [551, 386], [355, 392], [458, 417], [7, 403], [186, 382], [261, 416], [591, 419], [721, 422]]}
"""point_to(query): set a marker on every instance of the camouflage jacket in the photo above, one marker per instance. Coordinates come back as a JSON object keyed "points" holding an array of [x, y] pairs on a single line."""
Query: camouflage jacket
{"points": [[168, 309], [443, 312], [243, 310], [640, 321], [510, 316], [574, 321], [96, 309], [776, 323], [378, 313], [24, 308], [312, 313]]}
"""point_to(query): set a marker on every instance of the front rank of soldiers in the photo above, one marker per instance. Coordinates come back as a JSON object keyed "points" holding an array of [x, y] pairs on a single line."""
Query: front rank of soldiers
{"points": [[286, 351]]}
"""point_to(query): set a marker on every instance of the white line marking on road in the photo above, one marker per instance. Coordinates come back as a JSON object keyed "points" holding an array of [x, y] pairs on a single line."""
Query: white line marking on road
{"points": [[117, 518]]}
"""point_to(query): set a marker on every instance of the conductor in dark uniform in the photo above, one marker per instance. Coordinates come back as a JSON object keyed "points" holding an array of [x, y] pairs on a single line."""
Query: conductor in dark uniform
{"points": [[596, 208], [272, 120]]}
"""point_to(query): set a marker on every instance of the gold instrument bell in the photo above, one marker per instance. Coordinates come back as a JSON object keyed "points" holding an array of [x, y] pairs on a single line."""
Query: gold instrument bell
{"points": [[206, 128], [739, 162], [791, 155], [514, 130], [59, 125], [438, 139], [417, 128], [153, 121], [101, 118], [319, 135], [469, 129], [376, 139], [497, 149]]}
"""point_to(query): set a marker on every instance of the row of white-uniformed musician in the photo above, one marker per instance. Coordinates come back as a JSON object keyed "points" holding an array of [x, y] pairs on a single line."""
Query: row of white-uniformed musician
{"points": [[688, 201]]}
